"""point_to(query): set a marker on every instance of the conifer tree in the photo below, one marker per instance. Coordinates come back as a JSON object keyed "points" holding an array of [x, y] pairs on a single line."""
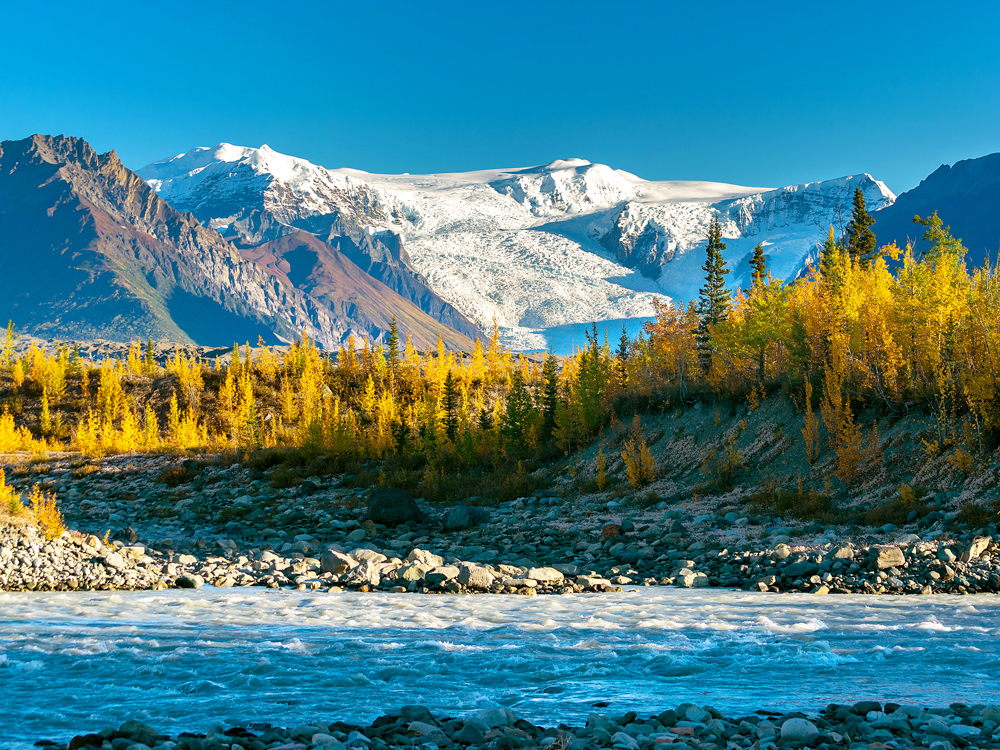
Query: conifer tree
{"points": [[550, 398], [829, 258], [860, 237], [450, 407], [713, 299], [518, 415], [392, 344], [621, 358], [759, 265]]}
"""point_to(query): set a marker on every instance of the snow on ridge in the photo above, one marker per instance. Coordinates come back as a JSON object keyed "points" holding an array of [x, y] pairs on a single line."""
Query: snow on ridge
{"points": [[543, 249]]}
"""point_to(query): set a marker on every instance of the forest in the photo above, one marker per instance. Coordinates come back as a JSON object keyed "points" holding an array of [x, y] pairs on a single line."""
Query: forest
{"points": [[865, 330]]}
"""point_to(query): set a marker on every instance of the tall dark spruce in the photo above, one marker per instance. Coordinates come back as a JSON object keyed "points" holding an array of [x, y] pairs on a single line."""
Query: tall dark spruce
{"points": [[860, 237], [714, 300]]}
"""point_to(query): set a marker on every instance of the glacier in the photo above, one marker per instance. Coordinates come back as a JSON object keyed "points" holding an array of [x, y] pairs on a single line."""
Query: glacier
{"points": [[543, 251]]}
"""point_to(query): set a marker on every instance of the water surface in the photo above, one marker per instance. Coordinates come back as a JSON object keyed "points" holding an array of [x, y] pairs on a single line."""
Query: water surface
{"points": [[181, 660]]}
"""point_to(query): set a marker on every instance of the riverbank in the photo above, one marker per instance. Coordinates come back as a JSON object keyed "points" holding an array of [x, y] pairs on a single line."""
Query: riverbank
{"points": [[867, 724], [154, 522]]}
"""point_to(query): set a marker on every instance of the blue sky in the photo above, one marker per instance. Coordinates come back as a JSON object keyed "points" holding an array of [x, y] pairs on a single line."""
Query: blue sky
{"points": [[762, 94]]}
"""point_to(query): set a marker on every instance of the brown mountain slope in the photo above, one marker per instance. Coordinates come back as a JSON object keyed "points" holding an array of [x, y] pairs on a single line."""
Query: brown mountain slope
{"points": [[89, 250], [328, 276]]}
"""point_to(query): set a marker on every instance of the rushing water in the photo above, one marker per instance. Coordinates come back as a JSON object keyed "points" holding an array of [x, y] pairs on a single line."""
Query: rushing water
{"points": [[179, 660]]}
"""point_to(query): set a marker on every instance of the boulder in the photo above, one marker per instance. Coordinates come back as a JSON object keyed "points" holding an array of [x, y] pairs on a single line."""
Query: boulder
{"points": [[366, 573], [978, 546], [798, 730], [544, 575], [392, 507], [465, 517], [888, 557], [114, 561], [189, 582], [441, 574], [474, 577], [336, 562], [424, 557], [801, 569]]}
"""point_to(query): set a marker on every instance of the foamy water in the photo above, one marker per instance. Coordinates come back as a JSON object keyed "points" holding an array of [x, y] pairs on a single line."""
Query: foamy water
{"points": [[181, 660]]}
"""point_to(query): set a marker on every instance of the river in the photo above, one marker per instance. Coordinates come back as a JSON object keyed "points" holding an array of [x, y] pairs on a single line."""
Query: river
{"points": [[181, 660]]}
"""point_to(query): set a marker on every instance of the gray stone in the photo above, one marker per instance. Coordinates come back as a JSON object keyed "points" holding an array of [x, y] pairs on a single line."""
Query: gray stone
{"points": [[366, 573], [888, 557], [424, 557], [990, 713], [844, 553], [474, 577], [978, 546], [392, 507], [336, 562], [544, 575], [801, 569], [465, 517], [189, 582], [697, 714], [471, 735], [781, 551], [114, 561], [441, 574], [798, 730]]}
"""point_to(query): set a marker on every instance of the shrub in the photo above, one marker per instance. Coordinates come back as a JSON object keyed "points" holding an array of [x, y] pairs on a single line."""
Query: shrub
{"points": [[47, 516]]}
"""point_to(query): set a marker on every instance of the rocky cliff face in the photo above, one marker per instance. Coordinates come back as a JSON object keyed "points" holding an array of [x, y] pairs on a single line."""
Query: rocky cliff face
{"points": [[89, 250]]}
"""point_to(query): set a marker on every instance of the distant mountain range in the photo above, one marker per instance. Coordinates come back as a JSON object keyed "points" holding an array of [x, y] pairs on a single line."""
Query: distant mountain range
{"points": [[966, 197], [225, 243]]}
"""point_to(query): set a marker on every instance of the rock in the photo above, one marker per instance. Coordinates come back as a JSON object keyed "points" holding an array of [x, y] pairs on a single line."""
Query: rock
{"points": [[465, 517], [417, 713], [365, 573], [798, 730], [471, 735], [86, 740], [965, 731], [496, 717], [189, 582], [863, 708], [424, 557], [357, 535], [308, 487], [474, 577], [114, 561], [441, 574], [361, 554], [336, 562], [888, 557], [611, 531], [698, 714], [990, 713], [801, 569], [781, 551], [907, 539], [978, 546], [544, 575], [413, 572], [622, 740], [946, 555], [692, 581], [844, 553], [392, 507]]}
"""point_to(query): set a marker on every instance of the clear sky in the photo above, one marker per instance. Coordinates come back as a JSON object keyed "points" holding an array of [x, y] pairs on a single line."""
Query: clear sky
{"points": [[762, 94]]}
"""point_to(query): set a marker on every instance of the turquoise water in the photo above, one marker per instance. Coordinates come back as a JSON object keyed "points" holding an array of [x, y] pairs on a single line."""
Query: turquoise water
{"points": [[181, 660]]}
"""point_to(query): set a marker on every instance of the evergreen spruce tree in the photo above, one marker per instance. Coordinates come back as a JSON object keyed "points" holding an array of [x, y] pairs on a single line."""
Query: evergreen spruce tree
{"points": [[550, 397], [860, 237], [392, 344], [450, 407], [150, 359], [714, 299], [517, 418], [621, 358], [759, 265]]}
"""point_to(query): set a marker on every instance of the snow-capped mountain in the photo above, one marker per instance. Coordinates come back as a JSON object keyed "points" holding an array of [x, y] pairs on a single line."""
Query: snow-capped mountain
{"points": [[544, 250], [256, 195]]}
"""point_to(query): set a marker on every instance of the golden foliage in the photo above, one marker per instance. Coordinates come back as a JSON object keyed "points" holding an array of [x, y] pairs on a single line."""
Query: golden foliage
{"points": [[47, 516]]}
